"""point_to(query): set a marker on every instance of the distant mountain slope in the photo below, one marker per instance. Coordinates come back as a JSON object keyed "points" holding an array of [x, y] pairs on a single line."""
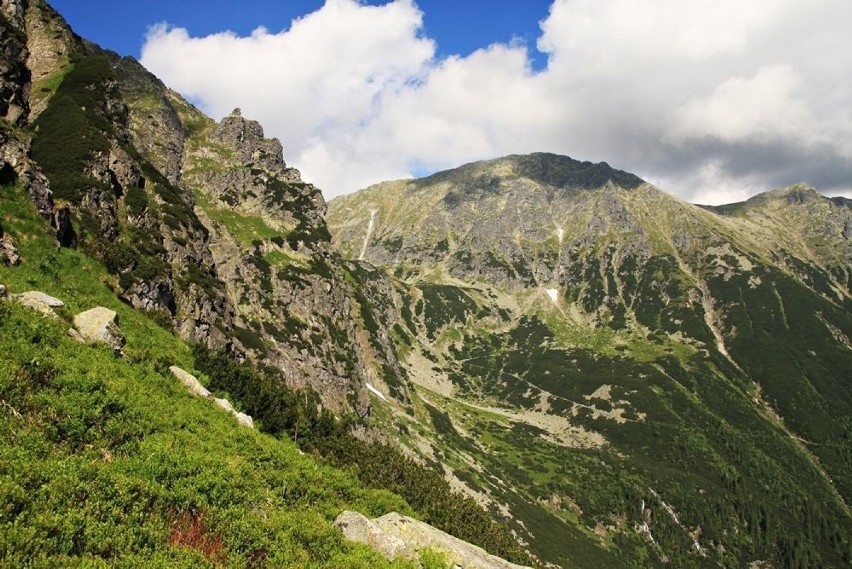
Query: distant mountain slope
{"points": [[667, 380]]}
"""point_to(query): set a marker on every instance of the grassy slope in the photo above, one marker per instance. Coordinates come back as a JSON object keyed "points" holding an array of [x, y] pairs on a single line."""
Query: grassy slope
{"points": [[704, 447], [106, 460]]}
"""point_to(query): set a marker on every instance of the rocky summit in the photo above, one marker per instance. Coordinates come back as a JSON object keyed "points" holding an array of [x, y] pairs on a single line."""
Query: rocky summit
{"points": [[547, 359]]}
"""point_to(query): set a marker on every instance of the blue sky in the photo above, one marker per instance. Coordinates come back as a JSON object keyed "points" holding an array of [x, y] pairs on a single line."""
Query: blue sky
{"points": [[458, 27], [712, 101]]}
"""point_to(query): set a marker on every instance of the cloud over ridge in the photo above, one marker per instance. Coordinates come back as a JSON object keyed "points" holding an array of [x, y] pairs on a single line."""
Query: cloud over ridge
{"points": [[714, 101]]}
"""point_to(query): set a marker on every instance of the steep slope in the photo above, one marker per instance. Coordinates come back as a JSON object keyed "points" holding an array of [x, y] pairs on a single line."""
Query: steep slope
{"points": [[203, 228], [108, 461], [596, 358], [203, 225]]}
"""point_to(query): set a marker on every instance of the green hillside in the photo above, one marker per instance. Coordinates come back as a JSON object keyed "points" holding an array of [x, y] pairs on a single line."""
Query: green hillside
{"points": [[108, 460], [614, 371]]}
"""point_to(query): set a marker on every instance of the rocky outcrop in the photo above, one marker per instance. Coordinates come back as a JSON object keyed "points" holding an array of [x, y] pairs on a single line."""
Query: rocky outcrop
{"points": [[50, 44], [8, 252], [195, 388], [40, 302], [189, 381], [155, 126], [14, 75], [100, 325], [395, 536]]}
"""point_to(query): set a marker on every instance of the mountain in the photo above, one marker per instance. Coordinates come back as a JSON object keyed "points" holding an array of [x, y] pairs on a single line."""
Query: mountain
{"points": [[621, 378], [203, 224], [597, 359], [193, 242]]}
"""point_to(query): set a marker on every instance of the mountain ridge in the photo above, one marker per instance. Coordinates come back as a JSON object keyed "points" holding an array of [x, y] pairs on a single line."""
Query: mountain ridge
{"points": [[513, 281]]}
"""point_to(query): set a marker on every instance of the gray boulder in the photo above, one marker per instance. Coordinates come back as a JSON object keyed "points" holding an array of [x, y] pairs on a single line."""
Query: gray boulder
{"points": [[190, 382], [40, 302], [225, 404], [245, 420], [100, 325], [395, 535], [9, 254]]}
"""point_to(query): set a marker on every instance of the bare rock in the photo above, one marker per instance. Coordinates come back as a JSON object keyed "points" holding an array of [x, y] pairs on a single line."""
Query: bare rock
{"points": [[358, 527], [395, 535], [246, 420], [75, 335], [225, 404], [3, 291], [100, 325], [40, 302], [190, 382], [39, 297], [8, 252]]}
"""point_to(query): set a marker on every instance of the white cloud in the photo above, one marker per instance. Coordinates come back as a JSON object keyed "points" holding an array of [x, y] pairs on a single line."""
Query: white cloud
{"points": [[760, 108], [711, 99]]}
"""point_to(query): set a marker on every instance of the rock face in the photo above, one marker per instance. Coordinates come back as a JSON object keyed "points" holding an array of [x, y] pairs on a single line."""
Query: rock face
{"points": [[271, 247], [395, 535], [8, 252], [100, 325]]}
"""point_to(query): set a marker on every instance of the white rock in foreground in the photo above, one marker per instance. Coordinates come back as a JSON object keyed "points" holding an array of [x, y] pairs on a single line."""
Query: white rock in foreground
{"points": [[395, 535], [40, 302], [194, 387], [225, 404], [246, 420], [189, 381], [100, 325]]}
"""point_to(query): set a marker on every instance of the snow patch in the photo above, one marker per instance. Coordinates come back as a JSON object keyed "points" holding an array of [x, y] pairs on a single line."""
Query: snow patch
{"points": [[553, 294], [369, 233], [375, 391]]}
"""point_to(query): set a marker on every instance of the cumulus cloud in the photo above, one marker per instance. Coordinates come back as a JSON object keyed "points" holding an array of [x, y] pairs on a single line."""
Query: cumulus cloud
{"points": [[714, 101]]}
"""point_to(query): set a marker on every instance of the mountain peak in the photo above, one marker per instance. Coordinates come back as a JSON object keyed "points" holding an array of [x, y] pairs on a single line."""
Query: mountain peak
{"points": [[557, 171], [565, 172]]}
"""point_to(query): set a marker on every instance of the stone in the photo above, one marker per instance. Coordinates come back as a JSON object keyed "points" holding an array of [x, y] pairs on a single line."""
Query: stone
{"points": [[3, 291], [35, 296], [225, 404], [357, 527], [40, 302], [189, 381], [9, 254], [75, 335], [395, 535], [246, 420], [100, 325]]}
